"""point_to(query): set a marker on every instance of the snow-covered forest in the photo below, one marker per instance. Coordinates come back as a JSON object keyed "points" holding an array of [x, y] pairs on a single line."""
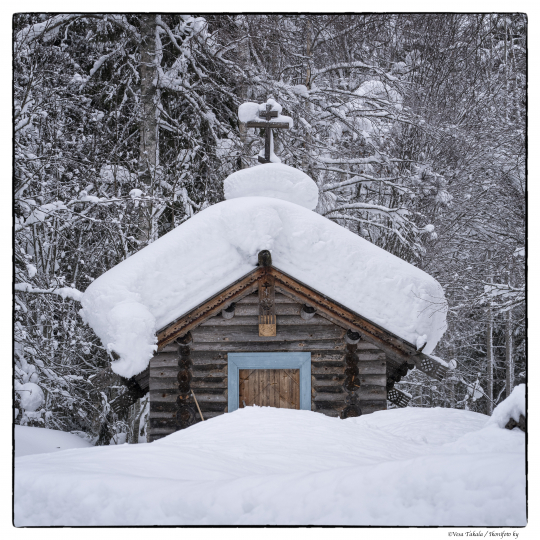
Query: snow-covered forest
{"points": [[413, 127]]}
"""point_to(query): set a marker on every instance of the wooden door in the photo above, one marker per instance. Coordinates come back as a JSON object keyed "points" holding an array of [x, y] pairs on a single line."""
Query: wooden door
{"points": [[270, 388]]}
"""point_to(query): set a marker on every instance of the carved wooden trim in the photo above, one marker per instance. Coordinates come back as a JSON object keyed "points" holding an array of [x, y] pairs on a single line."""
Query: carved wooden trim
{"points": [[399, 398], [244, 286], [267, 305]]}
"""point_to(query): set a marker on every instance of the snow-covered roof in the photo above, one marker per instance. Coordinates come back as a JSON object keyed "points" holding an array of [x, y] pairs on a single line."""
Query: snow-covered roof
{"points": [[127, 305]]}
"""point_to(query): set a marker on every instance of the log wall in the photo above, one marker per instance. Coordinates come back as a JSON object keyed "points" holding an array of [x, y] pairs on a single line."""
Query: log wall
{"points": [[214, 338]]}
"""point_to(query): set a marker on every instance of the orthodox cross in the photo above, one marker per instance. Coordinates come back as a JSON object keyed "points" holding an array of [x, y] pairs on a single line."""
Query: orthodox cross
{"points": [[268, 126]]}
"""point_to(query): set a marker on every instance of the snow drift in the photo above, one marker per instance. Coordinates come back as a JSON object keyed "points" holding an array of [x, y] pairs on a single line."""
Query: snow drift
{"points": [[129, 303], [511, 408], [262, 465], [33, 440]]}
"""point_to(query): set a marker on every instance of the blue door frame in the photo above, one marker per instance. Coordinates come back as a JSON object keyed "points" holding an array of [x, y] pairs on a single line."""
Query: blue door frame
{"points": [[278, 360]]}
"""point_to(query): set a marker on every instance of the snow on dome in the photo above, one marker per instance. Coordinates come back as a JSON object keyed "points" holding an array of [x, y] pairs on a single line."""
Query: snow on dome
{"points": [[127, 305], [273, 180]]}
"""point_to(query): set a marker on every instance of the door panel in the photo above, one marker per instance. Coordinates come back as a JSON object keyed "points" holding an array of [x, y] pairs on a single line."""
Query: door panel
{"points": [[270, 388]]}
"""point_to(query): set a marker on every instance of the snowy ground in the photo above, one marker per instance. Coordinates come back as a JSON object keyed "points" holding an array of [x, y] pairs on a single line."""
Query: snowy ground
{"points": [[277, 466], [30, 440]]}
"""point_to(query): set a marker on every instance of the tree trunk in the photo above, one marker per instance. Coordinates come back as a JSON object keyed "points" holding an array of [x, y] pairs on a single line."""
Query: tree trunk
{"points": [[509, 354], [489, 359], [148, 139], [244, 61]]}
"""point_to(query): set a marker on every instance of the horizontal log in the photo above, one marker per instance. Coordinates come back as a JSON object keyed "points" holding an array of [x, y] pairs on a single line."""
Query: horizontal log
{"points": [[376, 392], [205, 370], [374, 367], [156, 437], [212, 406], [209, 358], [327, 350], [164, 384], [169, 347], [366, 346], [282, 320], [157, 396], [327, 356], [163, 372], [376, 380], [372, 391], [365, 356], [254, 299], [271, 346], [324, 396], [338, 364], [170, 407], [209, 382], [327, 378], [328, 388], [162, 414], [217, 334], [332, 405], [162, 407], [316, 370], [243, 310], [211, 398], [338, 379], [159, 433], [163, 423], [210, 370]]}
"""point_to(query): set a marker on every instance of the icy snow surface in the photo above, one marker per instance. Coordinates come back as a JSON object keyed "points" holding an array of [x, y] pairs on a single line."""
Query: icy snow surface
{"points": [[129, 303], [512, 407], [273, 180], [33, 440], [261, 465]]}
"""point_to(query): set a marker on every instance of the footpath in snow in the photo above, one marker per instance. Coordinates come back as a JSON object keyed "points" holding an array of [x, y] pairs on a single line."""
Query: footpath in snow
{"points": [[261, 465]]}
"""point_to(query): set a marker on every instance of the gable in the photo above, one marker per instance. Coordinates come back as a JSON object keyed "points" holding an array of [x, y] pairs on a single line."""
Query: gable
{"points": [[399, 351]]}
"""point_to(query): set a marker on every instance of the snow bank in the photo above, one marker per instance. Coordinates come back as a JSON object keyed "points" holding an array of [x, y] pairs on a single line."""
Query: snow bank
{"points": [[260, 466], [129, 303], [512, 407], [273, 180], [32, 440]]}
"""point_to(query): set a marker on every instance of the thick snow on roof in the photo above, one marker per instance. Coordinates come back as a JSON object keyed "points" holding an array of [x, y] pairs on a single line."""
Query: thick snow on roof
{"points": [[269, 466], [127, 305], [273, 180]]}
